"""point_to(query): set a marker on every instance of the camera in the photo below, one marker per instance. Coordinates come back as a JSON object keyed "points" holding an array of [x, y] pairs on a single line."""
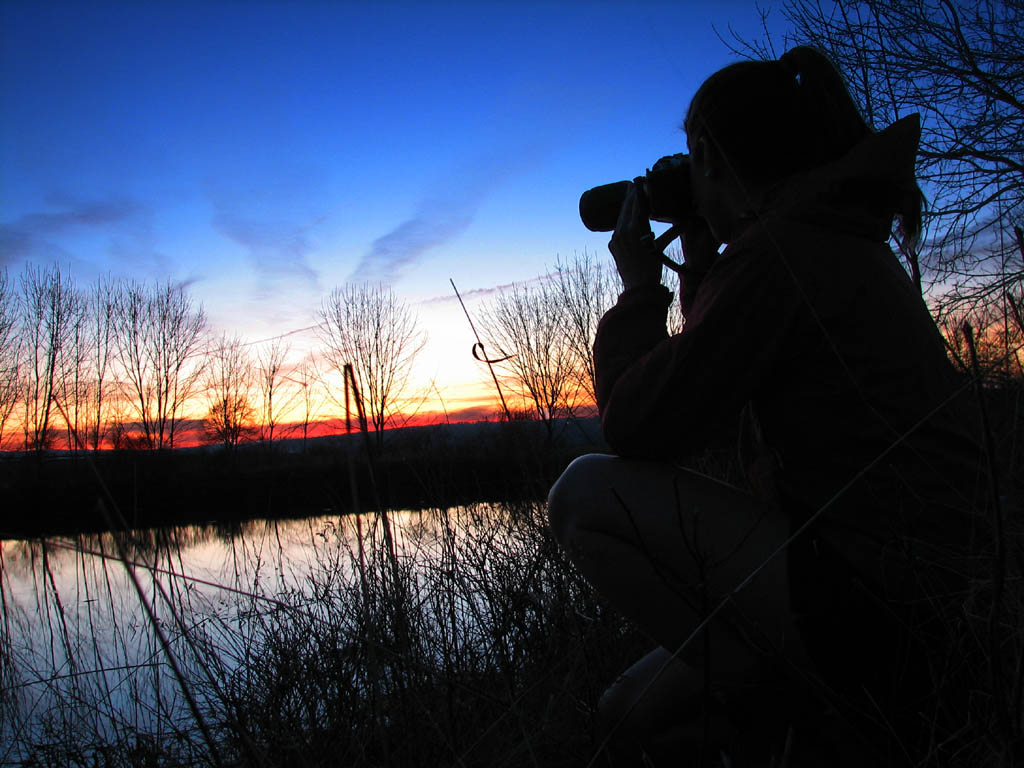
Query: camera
{"points": [[666, 187]]}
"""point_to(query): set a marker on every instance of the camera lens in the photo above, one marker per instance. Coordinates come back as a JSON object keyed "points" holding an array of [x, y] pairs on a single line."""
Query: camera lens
{"points": [[600, 206]]}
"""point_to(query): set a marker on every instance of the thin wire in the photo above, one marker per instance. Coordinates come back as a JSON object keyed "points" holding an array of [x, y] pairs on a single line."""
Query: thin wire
{"points": [[154, 569], [279, 336], [215, 350]]}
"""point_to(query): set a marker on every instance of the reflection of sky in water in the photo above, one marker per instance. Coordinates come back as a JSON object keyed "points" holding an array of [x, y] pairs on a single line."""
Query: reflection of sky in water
{"points": [[265, 555], [74, 629]]}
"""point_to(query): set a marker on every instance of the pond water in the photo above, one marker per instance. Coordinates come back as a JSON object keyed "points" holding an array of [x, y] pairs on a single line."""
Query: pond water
{"points": [[97, 631]]}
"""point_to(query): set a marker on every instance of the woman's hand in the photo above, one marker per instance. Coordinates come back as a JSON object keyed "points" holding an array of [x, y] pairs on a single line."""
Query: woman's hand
{"points": [[632, 244]]}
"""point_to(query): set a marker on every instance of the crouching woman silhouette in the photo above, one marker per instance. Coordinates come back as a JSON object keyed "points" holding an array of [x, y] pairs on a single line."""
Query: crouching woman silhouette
{"points": [[818, 599]]}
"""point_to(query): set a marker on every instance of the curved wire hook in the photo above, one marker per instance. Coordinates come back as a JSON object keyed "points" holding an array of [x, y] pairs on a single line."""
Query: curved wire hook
{"points": [[479, 354]]}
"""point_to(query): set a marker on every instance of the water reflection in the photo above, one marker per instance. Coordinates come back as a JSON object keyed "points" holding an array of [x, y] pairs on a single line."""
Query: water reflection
{"points": [[80, 657]]}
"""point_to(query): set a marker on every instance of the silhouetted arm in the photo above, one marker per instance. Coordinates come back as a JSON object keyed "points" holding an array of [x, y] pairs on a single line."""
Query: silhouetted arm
{"points": [[662, 396]]}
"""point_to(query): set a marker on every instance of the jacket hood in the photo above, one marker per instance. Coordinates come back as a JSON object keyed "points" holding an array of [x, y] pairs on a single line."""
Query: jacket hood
{"points": [[860, 192]]}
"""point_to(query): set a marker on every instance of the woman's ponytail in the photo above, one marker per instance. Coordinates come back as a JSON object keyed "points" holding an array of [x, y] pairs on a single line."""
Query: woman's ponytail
{"points": [[776, 119], [831, 122]]}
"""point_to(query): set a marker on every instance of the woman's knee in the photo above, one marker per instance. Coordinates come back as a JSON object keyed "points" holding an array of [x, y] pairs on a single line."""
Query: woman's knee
{"points": [[574, 495]]}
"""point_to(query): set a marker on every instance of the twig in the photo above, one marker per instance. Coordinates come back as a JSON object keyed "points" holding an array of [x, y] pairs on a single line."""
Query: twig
{"points": [[999, 561]]}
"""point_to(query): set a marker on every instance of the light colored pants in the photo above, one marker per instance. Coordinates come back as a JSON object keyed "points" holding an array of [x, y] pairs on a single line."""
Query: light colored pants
{"points": [[666, 546]]}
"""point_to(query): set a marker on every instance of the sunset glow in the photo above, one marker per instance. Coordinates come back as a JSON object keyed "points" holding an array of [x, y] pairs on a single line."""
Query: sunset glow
{"points": [[262, 154]]}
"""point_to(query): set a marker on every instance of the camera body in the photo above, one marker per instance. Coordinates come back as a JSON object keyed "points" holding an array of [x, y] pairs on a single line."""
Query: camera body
{"points": [[666, 187]]}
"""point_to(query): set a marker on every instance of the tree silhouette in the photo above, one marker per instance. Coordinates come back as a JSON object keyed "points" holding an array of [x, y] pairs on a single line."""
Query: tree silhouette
{"points": [[526, 325], [158, 333], [100, 326], [271, 379], [71, 390], [10, 351], [370, 328], [586, 288], [47, 306], [307, 378], [229, 378]]}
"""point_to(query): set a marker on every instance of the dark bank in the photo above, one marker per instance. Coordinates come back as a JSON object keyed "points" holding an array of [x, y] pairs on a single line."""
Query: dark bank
{"points": [[413, 468]]}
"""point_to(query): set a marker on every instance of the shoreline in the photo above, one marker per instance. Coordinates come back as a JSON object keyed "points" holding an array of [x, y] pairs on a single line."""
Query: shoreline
{"points": [[415, 468]]}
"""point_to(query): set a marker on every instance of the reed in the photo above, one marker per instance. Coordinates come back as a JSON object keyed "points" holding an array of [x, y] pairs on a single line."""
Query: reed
{"points": [[485, 648]]}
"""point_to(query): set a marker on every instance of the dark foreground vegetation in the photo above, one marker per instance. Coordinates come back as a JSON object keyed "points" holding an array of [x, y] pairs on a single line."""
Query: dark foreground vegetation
{"points": [[479, 645], [489, 651], [474, 643]]}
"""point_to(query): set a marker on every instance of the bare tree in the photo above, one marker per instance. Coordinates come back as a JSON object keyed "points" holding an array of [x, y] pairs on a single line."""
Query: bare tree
{"points": [[99, 320], [998, 329], [369, 327], [307, 378], [229, 380], [525, 325], [586, 288], [960, 65], [276, 398], [46, 313], [10, 351], [158, 333], [70, 394], [120, 422], [675, 320]]}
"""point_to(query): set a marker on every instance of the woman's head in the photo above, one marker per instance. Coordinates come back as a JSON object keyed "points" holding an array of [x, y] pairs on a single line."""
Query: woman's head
{"points": [[760, 122], [773, 119]]}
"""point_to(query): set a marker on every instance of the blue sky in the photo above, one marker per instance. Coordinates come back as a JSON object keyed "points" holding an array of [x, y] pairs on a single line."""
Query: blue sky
{"points": [[265, 152]]}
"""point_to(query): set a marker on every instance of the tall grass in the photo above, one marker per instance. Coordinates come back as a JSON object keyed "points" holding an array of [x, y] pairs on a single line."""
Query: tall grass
{"points": [[477, 644]]}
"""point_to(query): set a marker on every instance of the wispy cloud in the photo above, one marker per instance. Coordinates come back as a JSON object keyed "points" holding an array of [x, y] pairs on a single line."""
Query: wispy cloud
{"points": [[188, 282], [479, 293], [443, 214], [275, 248], [16, 243], [436, 223], [272, 216], [42, 234]]}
